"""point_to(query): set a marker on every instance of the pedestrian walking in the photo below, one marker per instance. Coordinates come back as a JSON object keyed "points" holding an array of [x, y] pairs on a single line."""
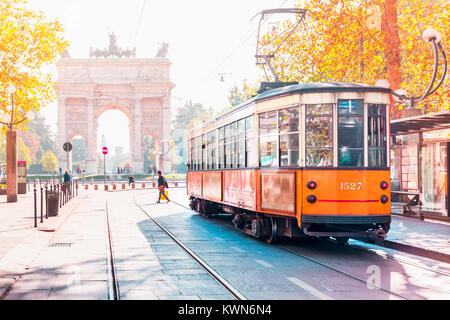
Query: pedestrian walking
{"points": [[162, 185], [130, 179]]}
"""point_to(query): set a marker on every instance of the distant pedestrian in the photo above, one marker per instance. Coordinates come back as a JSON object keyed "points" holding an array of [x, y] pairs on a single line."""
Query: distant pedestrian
{"points": [[162, 185], [130, 179]]}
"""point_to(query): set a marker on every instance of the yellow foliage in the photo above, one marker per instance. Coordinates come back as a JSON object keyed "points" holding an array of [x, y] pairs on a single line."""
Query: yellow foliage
{"points": [[342, 41], [28, 41], [49, 162]]}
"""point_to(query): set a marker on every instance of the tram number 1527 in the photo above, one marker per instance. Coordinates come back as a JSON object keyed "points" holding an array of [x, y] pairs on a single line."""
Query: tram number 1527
{"points": [[351, 186]]}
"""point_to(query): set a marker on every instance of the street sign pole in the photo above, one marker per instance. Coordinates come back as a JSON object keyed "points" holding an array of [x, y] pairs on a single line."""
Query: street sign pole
{"points": [[67, 148], [105, 152]]}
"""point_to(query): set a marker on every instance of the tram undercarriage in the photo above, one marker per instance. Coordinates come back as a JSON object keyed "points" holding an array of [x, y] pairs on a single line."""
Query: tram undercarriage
{"points": [[269, 227]]}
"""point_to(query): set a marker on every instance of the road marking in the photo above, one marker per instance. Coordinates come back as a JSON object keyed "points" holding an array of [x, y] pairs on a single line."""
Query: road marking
{"points": [[238, 249], [310, 289], [263, 263]]}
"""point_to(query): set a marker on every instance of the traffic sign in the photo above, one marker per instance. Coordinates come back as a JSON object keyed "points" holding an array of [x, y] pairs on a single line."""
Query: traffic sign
{"points": [[67, 147], [105, 150]]}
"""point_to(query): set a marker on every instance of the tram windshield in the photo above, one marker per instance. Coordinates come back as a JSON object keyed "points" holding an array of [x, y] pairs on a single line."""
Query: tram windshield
{"points": [[350, 133]]}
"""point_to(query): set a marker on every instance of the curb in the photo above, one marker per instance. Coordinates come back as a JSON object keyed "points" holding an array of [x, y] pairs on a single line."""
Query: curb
{"points": [[431, 254]]}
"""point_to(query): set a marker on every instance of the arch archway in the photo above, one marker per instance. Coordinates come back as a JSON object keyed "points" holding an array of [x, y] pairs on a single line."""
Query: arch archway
{"points": [[88, 88]]}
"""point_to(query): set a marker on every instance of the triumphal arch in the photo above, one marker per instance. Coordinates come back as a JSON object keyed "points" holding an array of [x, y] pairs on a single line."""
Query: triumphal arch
{"points": [[114, 79]]}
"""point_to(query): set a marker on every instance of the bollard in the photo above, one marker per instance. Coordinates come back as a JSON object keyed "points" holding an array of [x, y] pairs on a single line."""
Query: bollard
{"points": [[59, 195], [123, 186], [86, 187], [153, 185], [143, 185], [35, 209], [133, 186], [46, 201], [77, 187], [114, 187], [96, 187], [106, 187], [42, 204]]}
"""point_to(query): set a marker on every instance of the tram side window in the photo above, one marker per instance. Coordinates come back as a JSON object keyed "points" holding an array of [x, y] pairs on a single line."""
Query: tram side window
{"points": [[240, 144], [211, 147], [319, 135], [377, 135], [248, 141], [190, 161], [198, 153], [204, 151], [268, 137], [221, 148], [350, 133], [288, 120], [233, 162]]}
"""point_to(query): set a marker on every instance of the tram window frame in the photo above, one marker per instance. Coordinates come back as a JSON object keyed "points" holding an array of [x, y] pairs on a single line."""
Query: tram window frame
{"points": [[211, 150], [318, 111], [345, 146], [377, 144], [269, 135], [248, 141], [288, 132], [221, 148]]}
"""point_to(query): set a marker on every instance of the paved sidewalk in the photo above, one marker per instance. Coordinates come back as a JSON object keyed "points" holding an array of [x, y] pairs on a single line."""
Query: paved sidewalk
{"points": [[20, 241], [427, 239]]}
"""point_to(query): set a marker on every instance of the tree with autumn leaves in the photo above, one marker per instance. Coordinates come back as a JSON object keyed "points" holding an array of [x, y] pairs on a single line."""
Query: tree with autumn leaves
{"points": [[28, 42], [364, 41]]}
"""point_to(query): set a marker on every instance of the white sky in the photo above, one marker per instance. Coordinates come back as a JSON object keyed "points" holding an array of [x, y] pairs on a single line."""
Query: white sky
{"points": [[206, 37]]}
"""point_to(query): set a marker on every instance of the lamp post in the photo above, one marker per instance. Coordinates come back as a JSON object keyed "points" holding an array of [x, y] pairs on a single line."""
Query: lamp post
{"points": [[162, 153], [11, 150]]}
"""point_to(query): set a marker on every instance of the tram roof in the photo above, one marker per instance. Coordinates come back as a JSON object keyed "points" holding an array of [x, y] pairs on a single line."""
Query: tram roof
{"points": [[301, 88], [306, 88]]}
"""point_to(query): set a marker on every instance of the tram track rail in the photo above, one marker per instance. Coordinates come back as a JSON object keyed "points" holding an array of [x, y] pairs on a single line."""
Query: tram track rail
{"points": [[113, 284], [352, 247], [222, 281]]}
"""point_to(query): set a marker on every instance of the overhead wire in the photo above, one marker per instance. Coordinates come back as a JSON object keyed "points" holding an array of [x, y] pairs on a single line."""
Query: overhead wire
{"points": [[240, 45], [139, 23]]}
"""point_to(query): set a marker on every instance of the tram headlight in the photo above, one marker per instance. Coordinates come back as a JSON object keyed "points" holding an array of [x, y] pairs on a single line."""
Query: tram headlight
{"points": [[311, 185], [311, 199], [384, 185], [384, 199]]}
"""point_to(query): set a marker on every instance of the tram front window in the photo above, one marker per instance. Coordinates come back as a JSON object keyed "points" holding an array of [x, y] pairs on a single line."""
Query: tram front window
{"points": [[350, 133]]}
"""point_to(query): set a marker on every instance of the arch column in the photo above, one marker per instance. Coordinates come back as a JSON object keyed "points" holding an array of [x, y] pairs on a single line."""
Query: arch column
{"points": [[136, 130], [91, 141], [64, 160], [166, 161]]}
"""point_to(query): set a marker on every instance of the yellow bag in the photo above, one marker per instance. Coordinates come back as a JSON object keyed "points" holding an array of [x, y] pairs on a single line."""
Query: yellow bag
{"points": [[166, 193]]}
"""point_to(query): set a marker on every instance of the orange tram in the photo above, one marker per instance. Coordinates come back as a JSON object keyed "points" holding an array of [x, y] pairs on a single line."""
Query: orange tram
{"points": [[297, 160]]}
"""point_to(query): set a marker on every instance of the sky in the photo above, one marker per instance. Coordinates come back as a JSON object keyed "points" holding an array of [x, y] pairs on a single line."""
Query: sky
{"points": [[206, 38]]}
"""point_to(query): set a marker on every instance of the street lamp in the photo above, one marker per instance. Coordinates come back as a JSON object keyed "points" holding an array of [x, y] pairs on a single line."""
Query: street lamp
{"points": [[434, 38], [162, 153]]}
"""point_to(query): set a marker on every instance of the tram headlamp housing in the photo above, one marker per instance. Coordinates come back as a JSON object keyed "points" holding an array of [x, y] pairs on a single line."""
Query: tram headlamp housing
{"points": [[384, 185], [311, 185], [384, 199], [311, 199]]}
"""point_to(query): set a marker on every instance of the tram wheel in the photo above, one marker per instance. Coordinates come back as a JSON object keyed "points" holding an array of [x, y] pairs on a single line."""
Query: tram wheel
{"points": [[341, 240], [272, 235]]}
